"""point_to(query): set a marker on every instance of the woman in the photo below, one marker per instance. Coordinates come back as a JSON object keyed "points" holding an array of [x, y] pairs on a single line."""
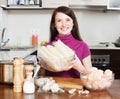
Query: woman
{"points": [[64, 27]]}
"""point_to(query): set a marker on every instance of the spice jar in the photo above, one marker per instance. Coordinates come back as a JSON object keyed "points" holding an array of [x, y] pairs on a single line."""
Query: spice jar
{"points": [[28, 86], [35, 40]]}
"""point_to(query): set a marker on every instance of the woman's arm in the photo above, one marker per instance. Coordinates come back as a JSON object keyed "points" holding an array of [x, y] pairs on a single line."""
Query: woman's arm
{"points": [[87, 64], [84, 66]]}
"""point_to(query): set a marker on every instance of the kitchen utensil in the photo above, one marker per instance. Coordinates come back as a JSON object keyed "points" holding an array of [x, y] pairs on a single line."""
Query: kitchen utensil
{"points": [[117, 44], [37, 70]]}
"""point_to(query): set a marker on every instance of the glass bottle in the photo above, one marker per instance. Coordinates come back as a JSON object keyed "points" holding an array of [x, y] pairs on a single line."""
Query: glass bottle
{"points": [[35, 40]]}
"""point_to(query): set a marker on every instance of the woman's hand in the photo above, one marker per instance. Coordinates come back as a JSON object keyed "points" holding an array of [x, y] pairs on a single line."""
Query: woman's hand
{"points": [[67, 68], [77, 65]]}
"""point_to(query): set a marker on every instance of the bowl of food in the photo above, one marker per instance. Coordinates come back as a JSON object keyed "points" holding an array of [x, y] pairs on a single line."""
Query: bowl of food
{"points": [[55, 64], [55, 57], [98, 79]]}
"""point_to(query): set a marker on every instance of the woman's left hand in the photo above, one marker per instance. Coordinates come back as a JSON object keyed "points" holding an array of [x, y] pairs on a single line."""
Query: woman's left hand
{"points": [[77, 64], [68, 68]]}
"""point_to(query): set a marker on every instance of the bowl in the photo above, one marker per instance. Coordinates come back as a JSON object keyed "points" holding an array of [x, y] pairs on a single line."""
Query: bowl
{"points": [[97, 84], [55, 64], [55, 57], [117, 44]]}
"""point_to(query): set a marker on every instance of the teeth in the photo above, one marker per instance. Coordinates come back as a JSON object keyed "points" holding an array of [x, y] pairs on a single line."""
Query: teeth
{"points": [[64, 29]]}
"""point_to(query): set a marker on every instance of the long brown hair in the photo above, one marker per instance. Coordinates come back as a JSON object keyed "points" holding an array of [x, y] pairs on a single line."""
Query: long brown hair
{"points": [[66, 10]]}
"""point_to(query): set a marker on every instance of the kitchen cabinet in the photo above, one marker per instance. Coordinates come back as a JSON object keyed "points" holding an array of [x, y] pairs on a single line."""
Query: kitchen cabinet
{"points": [[65, 2], [1, 72], [114, 63], [6, 70], [76, 4], [54, 3], [88, 2], [6, 73]]}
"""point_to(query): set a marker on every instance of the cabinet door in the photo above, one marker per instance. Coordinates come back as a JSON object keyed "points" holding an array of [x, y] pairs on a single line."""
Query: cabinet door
{"points": [[6, 73], [1, 72], [89, 2]]}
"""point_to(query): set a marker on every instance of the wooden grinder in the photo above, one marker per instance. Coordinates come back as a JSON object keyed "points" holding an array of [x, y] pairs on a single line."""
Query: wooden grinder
{"points": [[18, 77], [29, 71]]}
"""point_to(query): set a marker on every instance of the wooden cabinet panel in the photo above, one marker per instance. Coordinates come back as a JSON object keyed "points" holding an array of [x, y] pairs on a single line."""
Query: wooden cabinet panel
{"points": [[6, 73], [1, 72]]}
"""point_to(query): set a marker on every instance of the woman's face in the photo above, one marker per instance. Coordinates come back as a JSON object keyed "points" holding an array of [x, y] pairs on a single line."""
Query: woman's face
{"points": [[63, 23]]}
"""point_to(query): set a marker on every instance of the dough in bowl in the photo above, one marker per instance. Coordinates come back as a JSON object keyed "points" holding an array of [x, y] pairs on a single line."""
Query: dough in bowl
{"points": [[55, 57]]}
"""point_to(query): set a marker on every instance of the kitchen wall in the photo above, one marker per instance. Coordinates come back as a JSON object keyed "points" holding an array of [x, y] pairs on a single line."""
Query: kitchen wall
{"points": [[95, 26], [0, 15]]}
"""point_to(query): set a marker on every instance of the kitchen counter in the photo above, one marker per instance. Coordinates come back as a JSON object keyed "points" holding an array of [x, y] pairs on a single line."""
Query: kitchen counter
{"points": [[104, 47], [6, 92], [9, 55]]}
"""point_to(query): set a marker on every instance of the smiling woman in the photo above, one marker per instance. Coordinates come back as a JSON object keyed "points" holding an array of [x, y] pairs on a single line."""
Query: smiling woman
{"points": [[64, 27], [63, 23]]}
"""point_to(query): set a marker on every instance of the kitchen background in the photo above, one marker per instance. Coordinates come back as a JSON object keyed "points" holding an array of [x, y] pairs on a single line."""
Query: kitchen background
{"points": [[95, 25]]}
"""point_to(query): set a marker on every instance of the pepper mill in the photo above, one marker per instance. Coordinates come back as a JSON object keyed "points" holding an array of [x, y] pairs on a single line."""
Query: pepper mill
{"points": [[18, 77]]}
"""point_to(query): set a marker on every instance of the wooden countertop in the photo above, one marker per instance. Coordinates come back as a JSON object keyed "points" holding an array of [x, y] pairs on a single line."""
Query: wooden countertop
{"points": [[6, 92]]}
